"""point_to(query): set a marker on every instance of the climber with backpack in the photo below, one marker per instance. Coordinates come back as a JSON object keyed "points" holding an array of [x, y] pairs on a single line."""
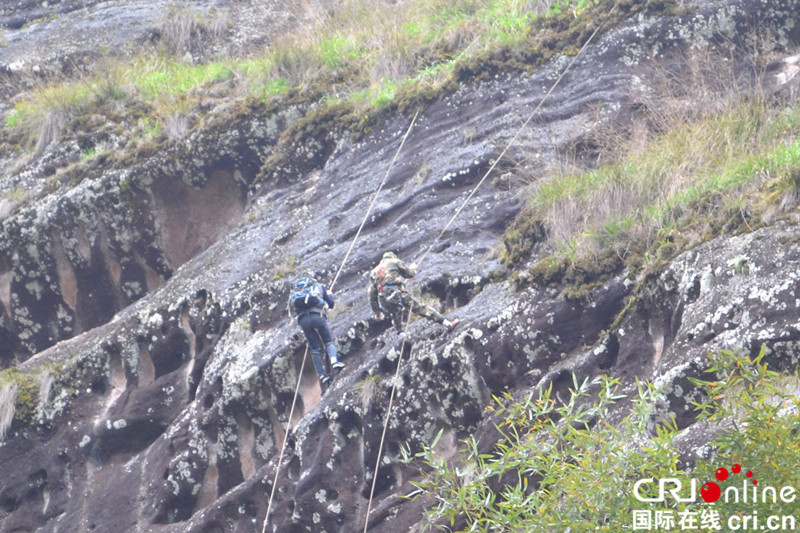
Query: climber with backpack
{"points": [[387, 293], [307, 302]]}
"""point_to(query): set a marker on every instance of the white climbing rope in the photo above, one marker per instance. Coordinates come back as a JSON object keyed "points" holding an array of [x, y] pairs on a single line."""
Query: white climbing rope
{"points": [[509, 145], [435, 240], [336, 277], [285, 438], [374, 198]]}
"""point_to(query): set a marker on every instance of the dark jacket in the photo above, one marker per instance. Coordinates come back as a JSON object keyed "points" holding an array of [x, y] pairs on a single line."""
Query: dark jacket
{"points": [[326, 296]]}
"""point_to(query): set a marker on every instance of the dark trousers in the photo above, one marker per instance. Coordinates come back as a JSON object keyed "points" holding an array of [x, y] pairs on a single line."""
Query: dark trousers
{"points": [[396, 302], [318, 334]]}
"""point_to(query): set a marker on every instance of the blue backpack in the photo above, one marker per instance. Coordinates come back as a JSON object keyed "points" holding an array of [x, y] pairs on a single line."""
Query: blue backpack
{"points": [[307, 295]]}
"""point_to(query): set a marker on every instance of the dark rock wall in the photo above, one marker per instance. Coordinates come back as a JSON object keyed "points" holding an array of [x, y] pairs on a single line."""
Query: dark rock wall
{"points": [[145, 307], [70, 261]]}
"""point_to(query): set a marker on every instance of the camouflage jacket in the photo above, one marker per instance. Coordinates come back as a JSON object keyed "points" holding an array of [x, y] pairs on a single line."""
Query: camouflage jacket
{"points": [[390, 273]]}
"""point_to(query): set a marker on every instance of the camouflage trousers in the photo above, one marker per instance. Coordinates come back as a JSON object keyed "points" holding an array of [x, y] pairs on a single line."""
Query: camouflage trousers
{"points": [[396, 303]]}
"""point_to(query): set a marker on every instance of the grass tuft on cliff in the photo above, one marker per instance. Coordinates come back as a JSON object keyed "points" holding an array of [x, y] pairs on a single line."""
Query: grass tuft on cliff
{"points": [[19, 395], [728, 164]]}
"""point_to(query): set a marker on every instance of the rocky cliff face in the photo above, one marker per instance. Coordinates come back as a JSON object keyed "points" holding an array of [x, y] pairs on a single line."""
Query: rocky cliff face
{"points": [[143, 305]]}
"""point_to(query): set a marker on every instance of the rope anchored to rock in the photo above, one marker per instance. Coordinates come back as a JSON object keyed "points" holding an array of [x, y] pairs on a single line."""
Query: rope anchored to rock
{"points": [[305, 354], [435, 240]]}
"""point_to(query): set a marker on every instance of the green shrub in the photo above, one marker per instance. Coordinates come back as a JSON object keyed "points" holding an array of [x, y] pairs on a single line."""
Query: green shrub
{"points": [[564, 466], [758, 409], [555, 467]]}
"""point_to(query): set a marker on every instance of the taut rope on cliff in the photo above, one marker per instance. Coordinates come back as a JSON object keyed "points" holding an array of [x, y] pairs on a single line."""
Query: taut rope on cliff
{"points": [[335, 278], [436, 239]]}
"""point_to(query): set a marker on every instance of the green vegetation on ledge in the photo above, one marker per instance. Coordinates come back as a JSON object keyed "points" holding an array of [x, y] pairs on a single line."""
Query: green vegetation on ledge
{"points": [[368, 54], [19, 396], [732, 169]]}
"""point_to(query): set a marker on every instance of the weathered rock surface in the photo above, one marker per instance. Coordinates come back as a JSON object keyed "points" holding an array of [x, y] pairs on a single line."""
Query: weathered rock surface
{"points": [[145, 306]]}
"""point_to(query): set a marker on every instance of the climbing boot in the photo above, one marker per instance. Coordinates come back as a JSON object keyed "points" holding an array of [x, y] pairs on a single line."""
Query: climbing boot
{"points": [[337, 367], [325, 381], [450, 324]]}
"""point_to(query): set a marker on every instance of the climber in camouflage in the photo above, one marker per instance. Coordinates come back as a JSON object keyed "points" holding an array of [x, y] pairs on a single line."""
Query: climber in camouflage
{"points": [[387, 294]]}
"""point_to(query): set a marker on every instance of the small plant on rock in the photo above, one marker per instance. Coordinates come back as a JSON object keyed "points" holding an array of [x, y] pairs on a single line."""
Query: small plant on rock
{"points": [[287, 268], [760, 413], [18, 399], [367, 389]]}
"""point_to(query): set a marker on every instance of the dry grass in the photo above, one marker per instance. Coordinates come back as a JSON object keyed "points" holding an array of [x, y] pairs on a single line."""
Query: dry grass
{"points": [[46, 380], [176, 126], [367, 389], [42, 119], [8, 397], [51, 128], [651, 189], [182, 30], [704, 135]]}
